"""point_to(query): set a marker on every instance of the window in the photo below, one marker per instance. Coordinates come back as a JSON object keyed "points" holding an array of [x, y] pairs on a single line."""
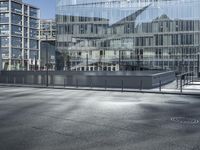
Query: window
{"points": [[25, 32], [17, 8], [16, 30], [16, 53], [33, 44], [4, 30], [34, 23], [4, 18], [16, 42], [4, 6], [25, 21], [33, 12], [33, 54], [5, 53], [4, 41], [16, 19], [25, 10], [33, 33]]}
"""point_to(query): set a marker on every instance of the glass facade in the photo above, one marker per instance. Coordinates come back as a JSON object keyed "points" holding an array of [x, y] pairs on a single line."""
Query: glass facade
{"points": [[129, 34], [48, 42], [48, 28], [19, 28], [4, 18], [4, 5]]}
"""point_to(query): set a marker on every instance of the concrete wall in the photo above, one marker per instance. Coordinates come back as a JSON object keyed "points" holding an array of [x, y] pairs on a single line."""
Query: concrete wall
{"points": [[135, 80]]}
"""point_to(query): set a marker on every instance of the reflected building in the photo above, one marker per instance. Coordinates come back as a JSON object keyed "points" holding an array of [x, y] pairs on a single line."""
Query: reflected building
{"points": [[128, 34], [19, 41]]}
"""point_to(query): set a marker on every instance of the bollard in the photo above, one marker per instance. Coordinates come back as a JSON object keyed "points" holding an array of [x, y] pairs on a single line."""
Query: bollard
{"points": [[122, 86], [141, 84], [160, 84]]}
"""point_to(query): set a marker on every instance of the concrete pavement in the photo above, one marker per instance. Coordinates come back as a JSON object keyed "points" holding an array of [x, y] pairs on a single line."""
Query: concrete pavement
{"points": [[57, 119]]}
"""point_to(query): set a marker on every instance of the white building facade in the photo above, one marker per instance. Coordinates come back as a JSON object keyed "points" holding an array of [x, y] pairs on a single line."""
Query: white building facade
{"points": [[19, 35]]}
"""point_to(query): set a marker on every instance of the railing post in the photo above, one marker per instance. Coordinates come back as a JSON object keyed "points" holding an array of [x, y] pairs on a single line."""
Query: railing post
{"points": [[76, 83], [141, 85], [91, 84], [181, 86], [192, 77], [160, 85], [177, 82], [105, 85], [122, 86], [53, 81]]}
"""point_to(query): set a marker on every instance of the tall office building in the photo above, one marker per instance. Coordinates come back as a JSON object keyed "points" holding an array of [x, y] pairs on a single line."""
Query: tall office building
{"points": [[19, 38], [128, 34]]}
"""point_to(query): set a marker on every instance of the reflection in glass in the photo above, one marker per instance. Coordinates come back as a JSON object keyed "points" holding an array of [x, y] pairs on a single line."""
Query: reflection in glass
{"points": [[130, 35]]}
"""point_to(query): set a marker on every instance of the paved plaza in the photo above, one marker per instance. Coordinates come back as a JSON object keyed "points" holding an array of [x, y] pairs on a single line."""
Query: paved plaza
{"points": [[60, 119]]}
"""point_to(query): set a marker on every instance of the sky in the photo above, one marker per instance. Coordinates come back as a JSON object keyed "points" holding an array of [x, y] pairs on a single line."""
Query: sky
{"points": [[47, 7]]}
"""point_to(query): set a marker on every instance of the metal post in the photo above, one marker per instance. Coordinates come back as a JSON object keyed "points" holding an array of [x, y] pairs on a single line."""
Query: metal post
{"points": [[198, 65], [91, 84], [177, 82], [105, 84], [122, 86], [53, 81], [119, 60], [87, 62], [76, 83], [181, 86], [35, 62], [47, 64], [141, 84], [192, 77], [160, 84]]}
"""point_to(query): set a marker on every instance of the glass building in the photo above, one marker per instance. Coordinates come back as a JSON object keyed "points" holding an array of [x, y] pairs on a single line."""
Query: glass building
{"points": [[48, 44], [19, 35], [128, 34]]}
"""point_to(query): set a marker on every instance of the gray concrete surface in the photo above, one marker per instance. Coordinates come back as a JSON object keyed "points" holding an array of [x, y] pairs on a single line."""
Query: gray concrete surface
{"points": [[58, 119]]}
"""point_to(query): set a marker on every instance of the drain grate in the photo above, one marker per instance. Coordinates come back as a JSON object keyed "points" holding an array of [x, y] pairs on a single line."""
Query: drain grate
{"points": [[184, 120]]}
